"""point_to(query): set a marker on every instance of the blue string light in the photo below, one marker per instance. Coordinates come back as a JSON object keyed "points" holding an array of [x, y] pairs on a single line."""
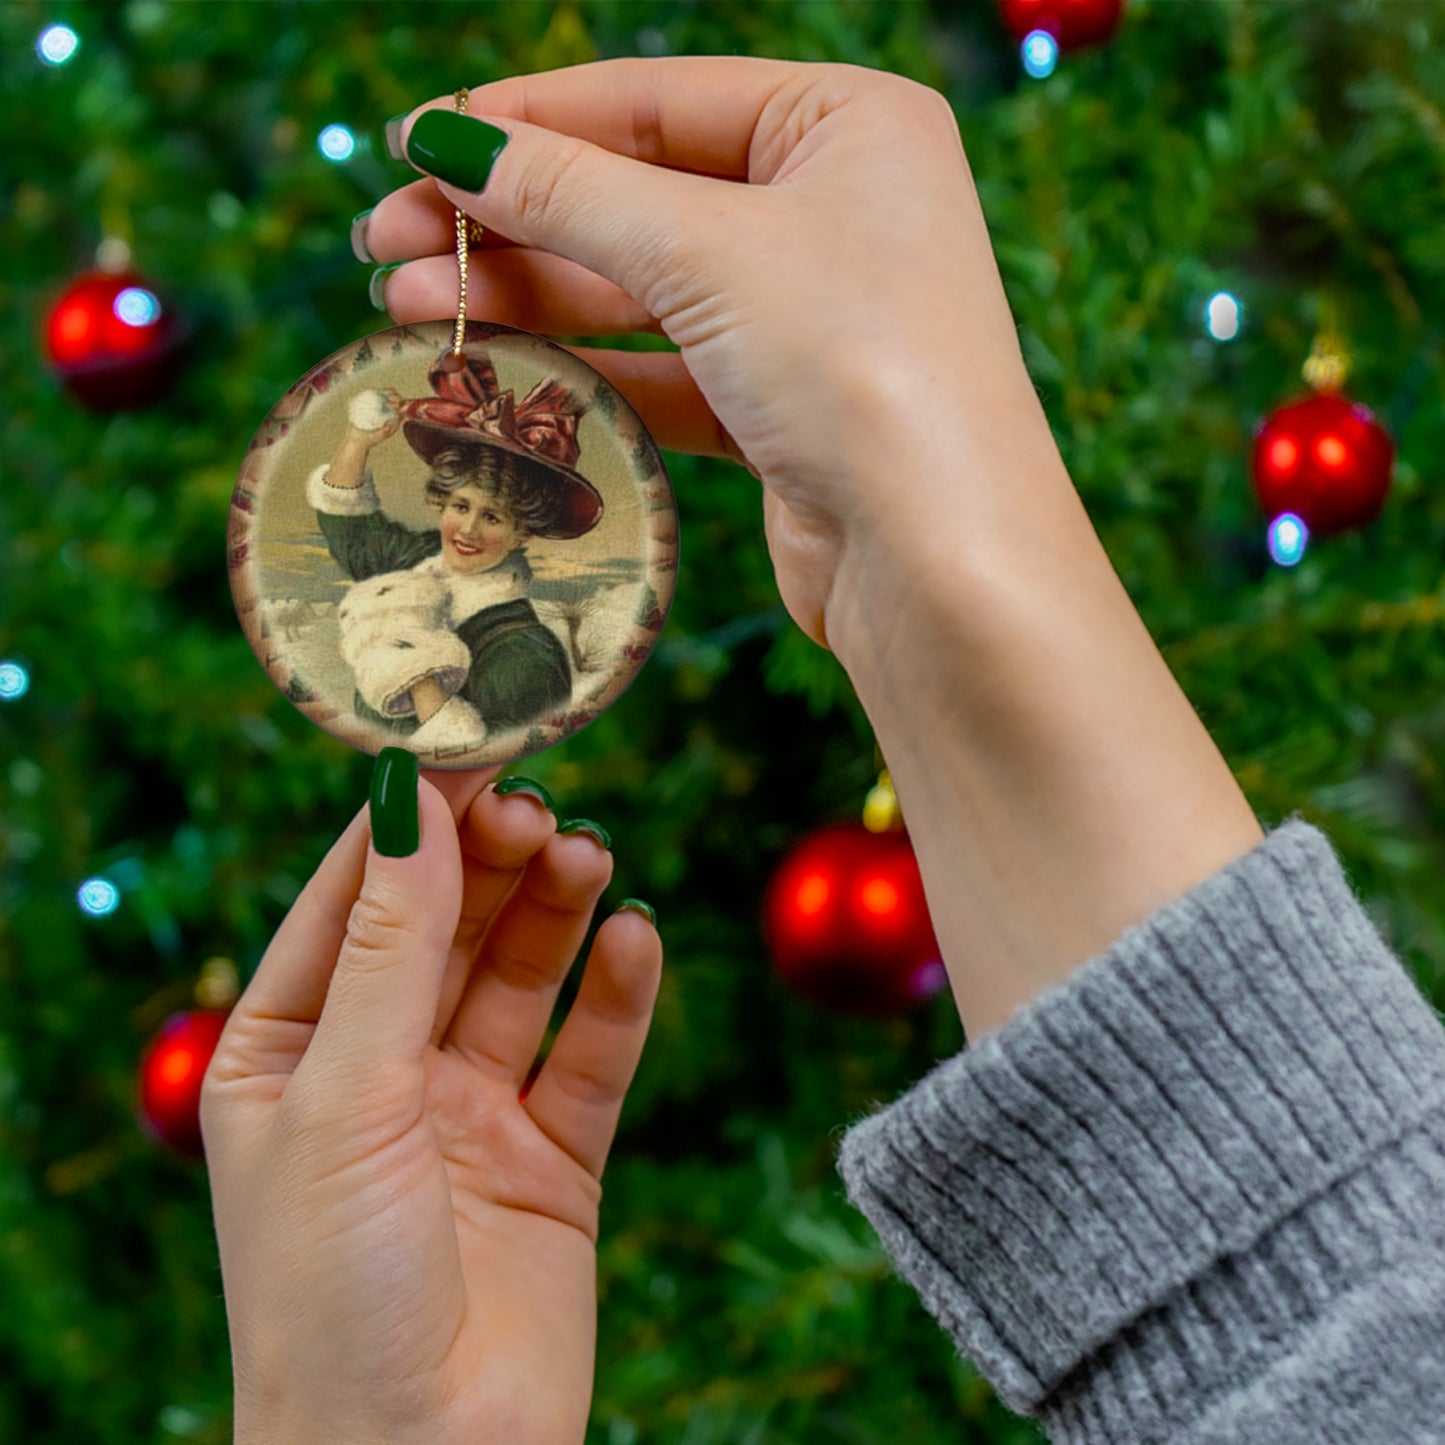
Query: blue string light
{"points": [[57, 44], [136, 306], [1288, 538], [98, 897], [14, 681], [1040, 52], [336, 143]]}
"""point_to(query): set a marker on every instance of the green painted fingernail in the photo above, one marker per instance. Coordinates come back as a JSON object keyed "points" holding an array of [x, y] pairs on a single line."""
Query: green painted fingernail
{"points": [[586, 825], [392, 132], [526, 785], [395, 811], [359, 247], [455, 148], [377, 289], [636, 905]]}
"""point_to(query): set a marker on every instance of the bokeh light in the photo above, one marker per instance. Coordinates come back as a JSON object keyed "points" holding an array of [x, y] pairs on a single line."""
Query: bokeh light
{"points": [[812, 895], [137, 307], [929, 979], [336, 143], [1288, 538], [1223, 316], [98, 897], [1281, 455], [57, 44], [1040, 53], [879, 897], [14, 681]]}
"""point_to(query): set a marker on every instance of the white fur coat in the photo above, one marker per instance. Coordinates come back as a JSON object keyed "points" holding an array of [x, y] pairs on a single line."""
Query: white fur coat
{"points": [[400, 627]]}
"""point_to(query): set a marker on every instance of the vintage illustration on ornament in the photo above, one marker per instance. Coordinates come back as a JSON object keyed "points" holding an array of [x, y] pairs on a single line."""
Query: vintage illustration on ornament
{"points": [[469, 556]]}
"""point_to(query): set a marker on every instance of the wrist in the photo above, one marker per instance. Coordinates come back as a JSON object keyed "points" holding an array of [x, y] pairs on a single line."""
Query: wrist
{"points": [[357, 443], [347, 469], [1057, 784], [946, 514]]}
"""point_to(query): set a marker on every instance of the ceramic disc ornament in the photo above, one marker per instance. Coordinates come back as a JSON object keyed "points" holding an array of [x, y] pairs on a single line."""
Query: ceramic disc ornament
{"points": [[469, 555]]}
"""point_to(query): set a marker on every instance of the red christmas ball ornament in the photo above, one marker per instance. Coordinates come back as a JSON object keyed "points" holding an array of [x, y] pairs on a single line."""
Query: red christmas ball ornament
{"points": [[1324, 458], [847, 924], [172, 1070], [112, 341], [1073, 23]]}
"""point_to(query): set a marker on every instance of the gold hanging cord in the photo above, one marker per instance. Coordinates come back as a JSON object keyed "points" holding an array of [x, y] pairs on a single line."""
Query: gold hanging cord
{"points": [[469, 233]]}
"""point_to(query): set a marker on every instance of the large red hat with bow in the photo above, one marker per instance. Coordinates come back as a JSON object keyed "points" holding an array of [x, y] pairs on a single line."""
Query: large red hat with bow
{"points": [[470, 410]]}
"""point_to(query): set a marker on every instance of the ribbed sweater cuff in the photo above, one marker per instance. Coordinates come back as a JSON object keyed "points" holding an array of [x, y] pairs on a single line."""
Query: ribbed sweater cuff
{"points": [[1168, 1151]]}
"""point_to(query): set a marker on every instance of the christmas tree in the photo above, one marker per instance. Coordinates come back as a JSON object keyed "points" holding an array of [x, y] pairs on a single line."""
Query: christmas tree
{"points": [[1180, 213]]}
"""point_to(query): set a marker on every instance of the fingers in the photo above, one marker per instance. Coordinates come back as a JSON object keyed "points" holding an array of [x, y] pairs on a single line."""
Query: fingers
{"points": [[577, 1098], [499, 836], [503, 1013], [517, 287], [622, 219], [656, 384], [460, 786], [689, 113], [660, 389], [382, 998], [417, 220], [289, 986]]}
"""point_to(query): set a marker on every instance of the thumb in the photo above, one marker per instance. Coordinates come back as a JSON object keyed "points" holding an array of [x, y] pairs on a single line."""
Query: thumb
{"points": [[634, 224], [382, 999]]}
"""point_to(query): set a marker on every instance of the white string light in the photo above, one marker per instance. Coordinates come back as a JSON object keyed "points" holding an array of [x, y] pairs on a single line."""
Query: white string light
{"points": [[1223, 316], [57, 44]]}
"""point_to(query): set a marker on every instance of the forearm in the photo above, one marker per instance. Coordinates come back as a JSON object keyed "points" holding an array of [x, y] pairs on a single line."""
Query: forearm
{"points": [[348, 466], [1057, 785]]}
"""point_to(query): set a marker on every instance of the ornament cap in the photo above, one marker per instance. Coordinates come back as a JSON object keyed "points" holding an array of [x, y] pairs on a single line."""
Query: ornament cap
{"points": [[113, 254], [1328, 366], [219, 984], [881, 813]]}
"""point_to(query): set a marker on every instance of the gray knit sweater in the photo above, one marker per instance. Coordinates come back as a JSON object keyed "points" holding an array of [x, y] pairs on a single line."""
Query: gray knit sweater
{"points": [[1196, 1192]]}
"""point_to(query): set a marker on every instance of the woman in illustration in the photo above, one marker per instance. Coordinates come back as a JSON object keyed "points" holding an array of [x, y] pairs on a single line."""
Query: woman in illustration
{"points": [[438, 630]]}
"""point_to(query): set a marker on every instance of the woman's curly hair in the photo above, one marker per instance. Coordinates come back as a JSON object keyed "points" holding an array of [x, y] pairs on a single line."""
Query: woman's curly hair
{"points": [[527, 492]]}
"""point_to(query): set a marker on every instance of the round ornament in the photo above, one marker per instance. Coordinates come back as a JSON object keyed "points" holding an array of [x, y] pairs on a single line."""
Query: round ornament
{"points": [[464, 550], [847, 923], [1324, 458], [1074, 24], [112, 341], [172, 1070]]}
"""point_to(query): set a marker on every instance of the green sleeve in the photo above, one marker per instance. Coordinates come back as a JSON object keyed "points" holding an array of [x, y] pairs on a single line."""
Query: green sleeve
{"points": [[522, 676], [366, 545]]}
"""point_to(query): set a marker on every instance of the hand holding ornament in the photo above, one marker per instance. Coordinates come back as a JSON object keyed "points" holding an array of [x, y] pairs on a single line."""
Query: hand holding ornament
{"points": [[808, 235], [811, 238], [407, 1221]]}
